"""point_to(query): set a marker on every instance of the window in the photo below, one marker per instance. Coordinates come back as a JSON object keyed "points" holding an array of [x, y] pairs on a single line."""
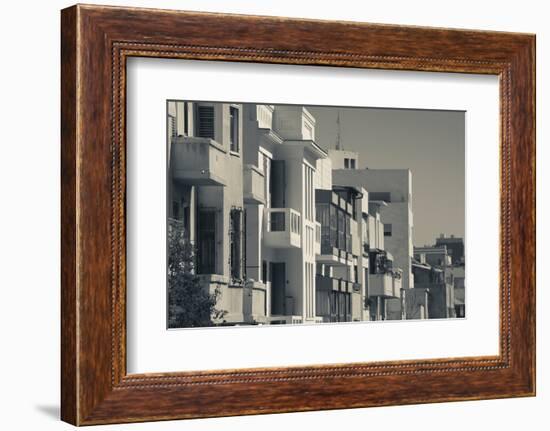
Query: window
{"points": [[348, 233], [352, 163], [175, 210], [234, 128], [277, 222], [264, 271], [172, 126], [333, 226], [277, 184], [322, 215], [236, 243], [387, 229], [346, 163], [185, 119], [205, 122], [206, 253], [341, 230]]}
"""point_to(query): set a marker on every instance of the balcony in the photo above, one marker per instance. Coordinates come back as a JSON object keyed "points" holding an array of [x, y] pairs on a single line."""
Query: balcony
{"points": [[330, 255], [285, 320], [325, 283], [293, 122], [253, 185], [254, 302], [198, 161], [383, 285], [283, 228], [264, 115]]}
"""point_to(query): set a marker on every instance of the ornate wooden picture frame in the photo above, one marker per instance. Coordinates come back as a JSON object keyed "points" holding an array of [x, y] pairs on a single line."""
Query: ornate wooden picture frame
{"points": [[96, 41]]}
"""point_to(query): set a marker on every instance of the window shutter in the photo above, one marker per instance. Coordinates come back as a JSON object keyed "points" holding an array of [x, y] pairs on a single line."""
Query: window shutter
{"points": [[206, 122], [172, 125]]}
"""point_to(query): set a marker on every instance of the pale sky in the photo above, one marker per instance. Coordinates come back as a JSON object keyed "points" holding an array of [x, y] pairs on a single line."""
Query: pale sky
{"points": [[429, 143]]}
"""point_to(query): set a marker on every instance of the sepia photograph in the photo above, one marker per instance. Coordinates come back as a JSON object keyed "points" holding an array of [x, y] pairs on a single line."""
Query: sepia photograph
{"points": [[296, 214]]}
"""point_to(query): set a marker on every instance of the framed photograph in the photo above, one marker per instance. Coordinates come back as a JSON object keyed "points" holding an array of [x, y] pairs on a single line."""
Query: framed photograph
{"points": [[267, 215]]}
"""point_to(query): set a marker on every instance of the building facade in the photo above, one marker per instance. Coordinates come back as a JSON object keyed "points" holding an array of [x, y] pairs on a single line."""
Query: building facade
{"points": [[455, 247], [285, 231], [391, 191], [433, 295]]}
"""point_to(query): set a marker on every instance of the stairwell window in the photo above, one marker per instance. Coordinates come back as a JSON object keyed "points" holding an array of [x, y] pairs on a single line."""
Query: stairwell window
{"points": [[234, 129], [205, 122]]}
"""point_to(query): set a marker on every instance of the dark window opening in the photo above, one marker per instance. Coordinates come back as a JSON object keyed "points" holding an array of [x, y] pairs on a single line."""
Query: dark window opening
{"points": [[352, 163], [185, 119], [205, 122], [341, 229], [277, 184], [264, 271], [277, 222], [175, 210], [346, 163], [387, 229], [234, 128], [236, 239], [206, 253]]}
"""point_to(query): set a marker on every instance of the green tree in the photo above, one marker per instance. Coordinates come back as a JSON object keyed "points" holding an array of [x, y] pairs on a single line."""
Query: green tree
{"points": [[190, 304]]}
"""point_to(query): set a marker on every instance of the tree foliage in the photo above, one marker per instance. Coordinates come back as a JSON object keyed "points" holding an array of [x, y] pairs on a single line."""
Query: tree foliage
{"points": [[190, 303]]}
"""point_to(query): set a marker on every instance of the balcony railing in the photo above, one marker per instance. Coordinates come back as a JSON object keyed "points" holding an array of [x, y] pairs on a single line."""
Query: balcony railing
{"points": [[283, 228], [200, 161], [254, 302], [325, 283], [253, 185]]}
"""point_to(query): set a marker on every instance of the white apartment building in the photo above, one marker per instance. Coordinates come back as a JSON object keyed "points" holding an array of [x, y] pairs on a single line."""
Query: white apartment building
{"points": [[434, 280], [382, 275], [392, 190], [283, 237], [206, 195]]}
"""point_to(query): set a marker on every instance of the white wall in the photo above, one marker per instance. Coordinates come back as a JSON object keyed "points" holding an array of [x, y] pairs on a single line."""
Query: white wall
{"points": [[29, 173]]}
